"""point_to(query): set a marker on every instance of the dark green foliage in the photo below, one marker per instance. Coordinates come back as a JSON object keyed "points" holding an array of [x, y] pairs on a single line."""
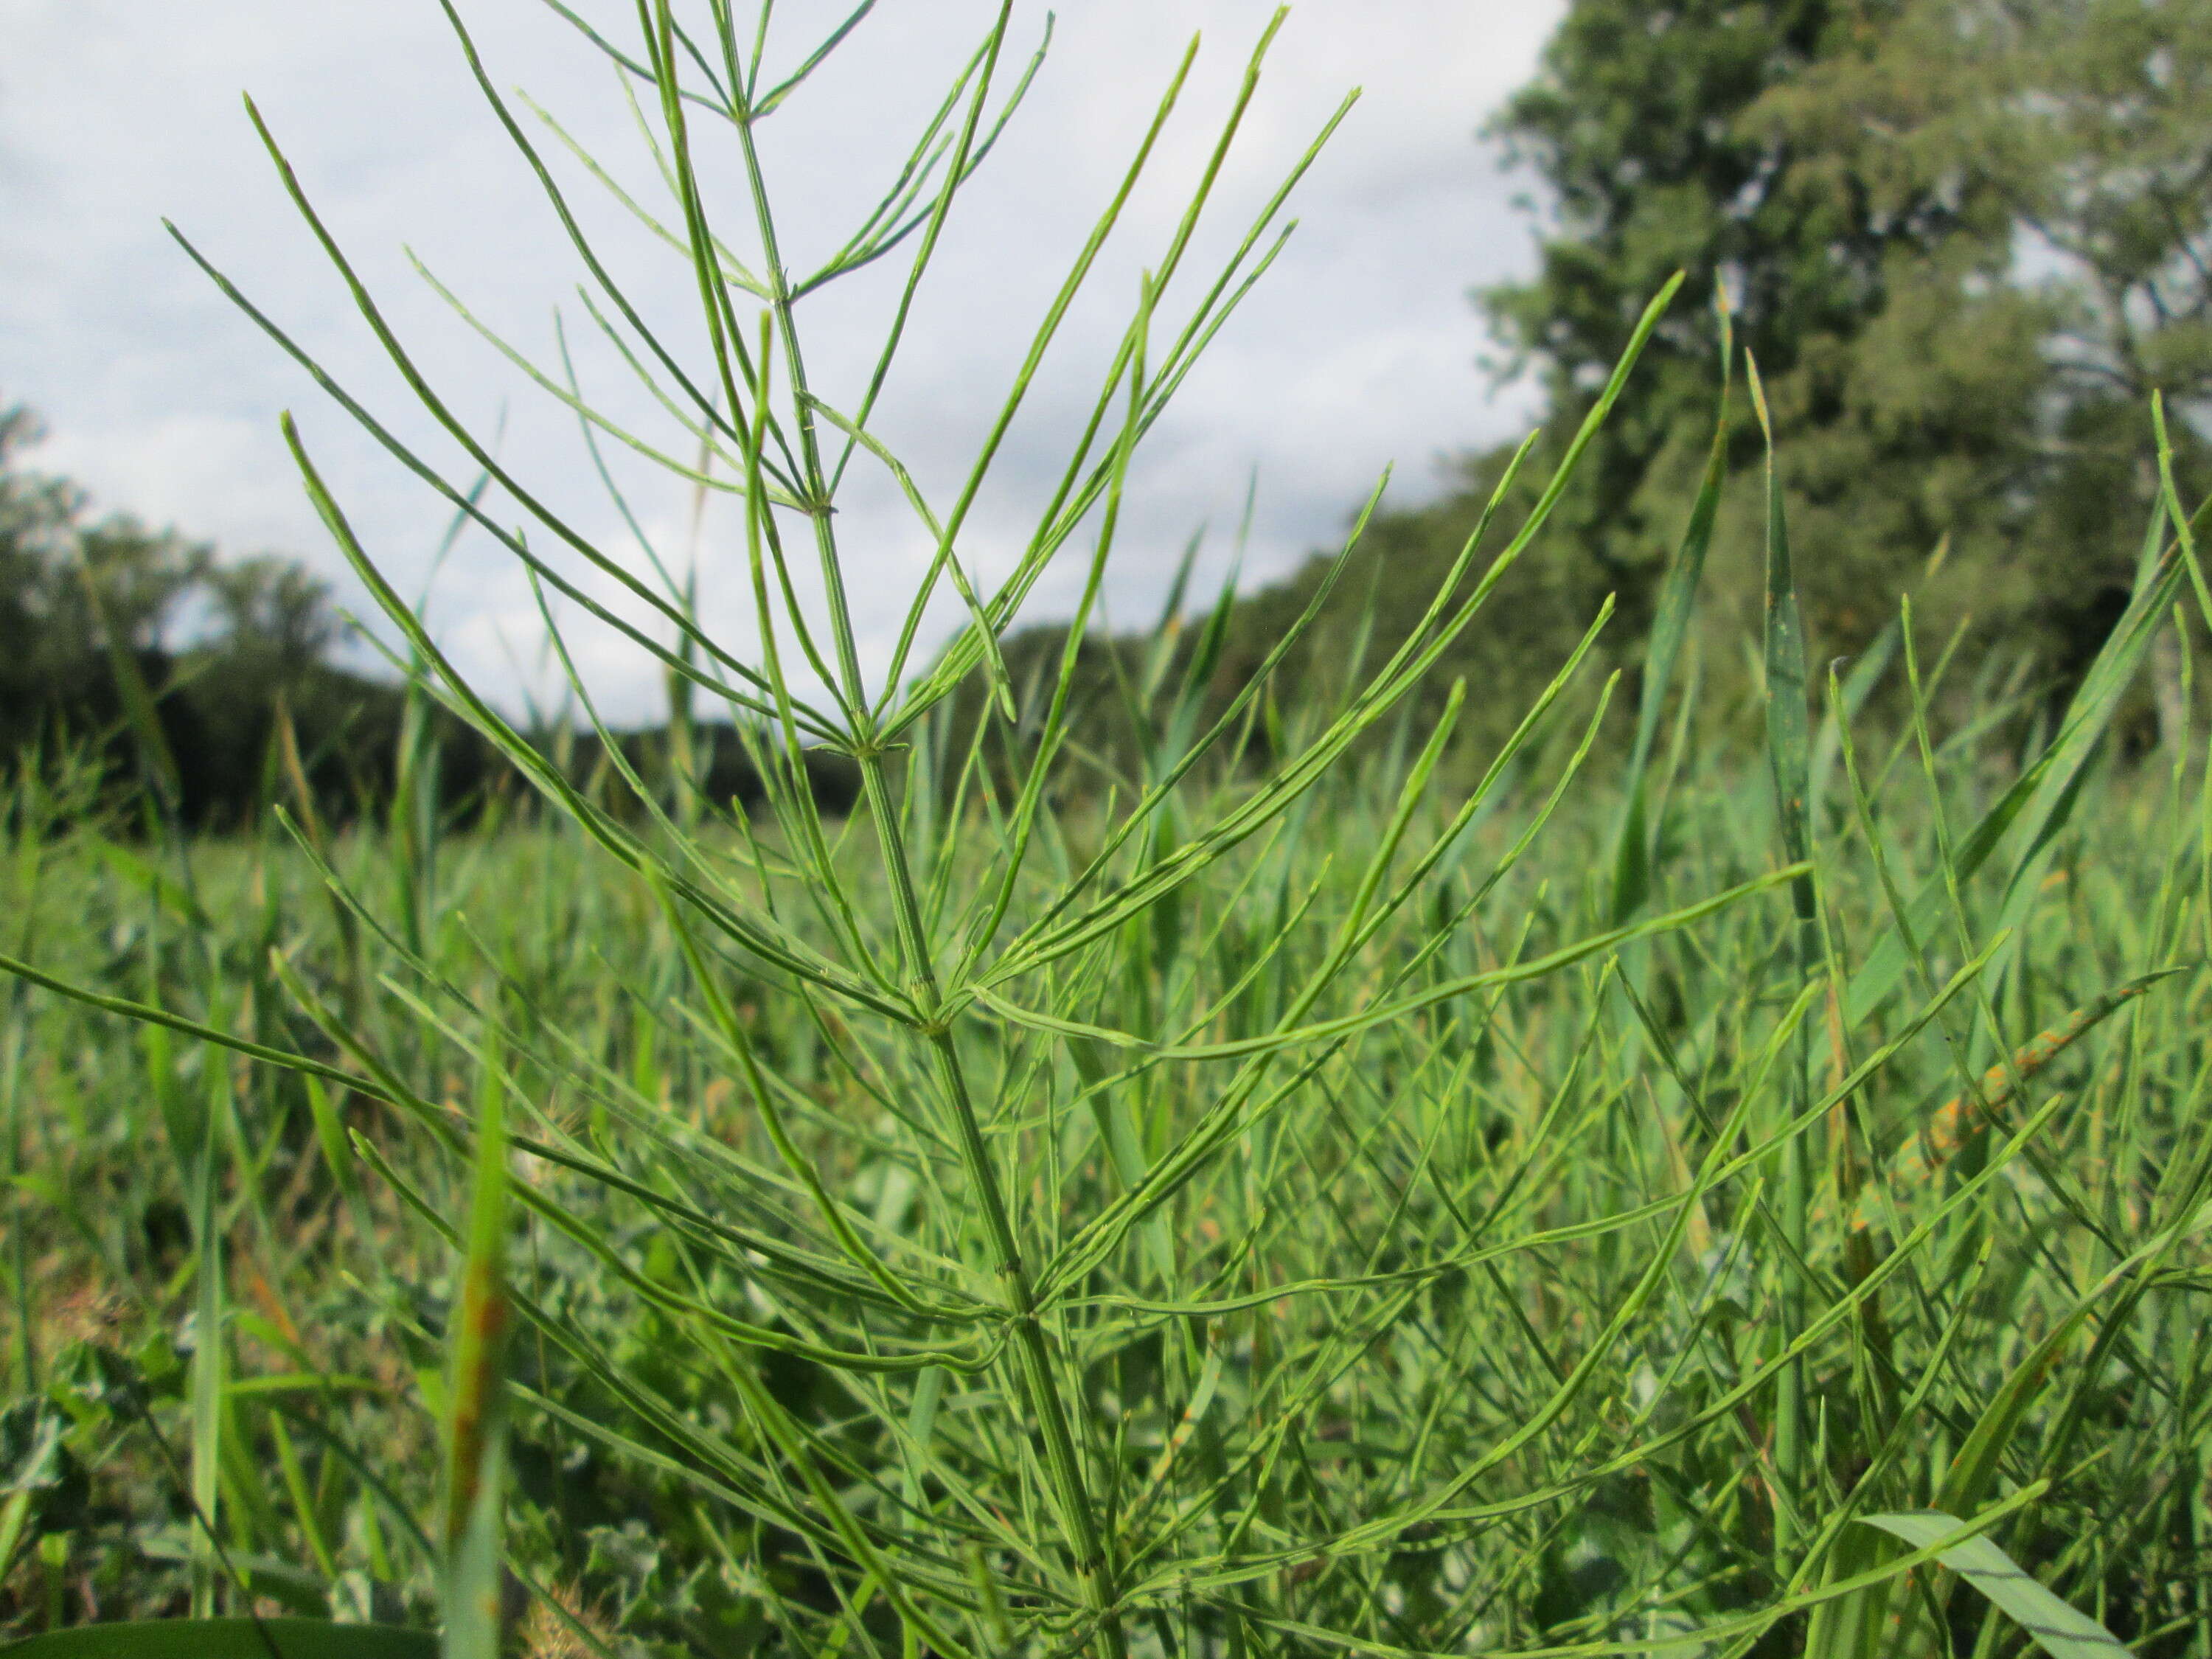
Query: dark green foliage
{"points": [[1964, 238], [218, 647], [228, 651], [1861, 174]]}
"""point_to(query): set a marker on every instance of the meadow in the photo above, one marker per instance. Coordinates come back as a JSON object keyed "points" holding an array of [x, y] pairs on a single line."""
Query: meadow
{"points": [[1480, 1258], [1725, 1180]]}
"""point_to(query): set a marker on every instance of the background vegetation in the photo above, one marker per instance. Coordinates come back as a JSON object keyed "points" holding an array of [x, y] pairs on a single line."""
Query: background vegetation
{"points": [[1966, 240]]}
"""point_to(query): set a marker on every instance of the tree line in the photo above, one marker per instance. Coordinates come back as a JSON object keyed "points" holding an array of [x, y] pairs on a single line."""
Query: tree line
{"points": [[143, 670]]}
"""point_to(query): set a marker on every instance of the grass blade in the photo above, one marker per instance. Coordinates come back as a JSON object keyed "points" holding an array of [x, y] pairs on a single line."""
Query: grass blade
{"points": [[476, 1433], [2057, 1628]]}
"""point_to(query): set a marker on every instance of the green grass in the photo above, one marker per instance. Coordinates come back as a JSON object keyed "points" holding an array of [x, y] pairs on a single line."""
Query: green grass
{"points": [[1331, 1187], [1467, 1327]]}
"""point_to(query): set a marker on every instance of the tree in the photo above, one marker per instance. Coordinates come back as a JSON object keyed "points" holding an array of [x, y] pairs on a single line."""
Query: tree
{"points": [[35, 513], [222, 644], [1868, 281], [75, 590], [272, 608], [1963, 239], [2082, 123]]}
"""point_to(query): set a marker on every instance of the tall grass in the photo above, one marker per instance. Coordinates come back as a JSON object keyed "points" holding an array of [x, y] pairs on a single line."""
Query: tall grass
{"points": [[1376, 1196]]}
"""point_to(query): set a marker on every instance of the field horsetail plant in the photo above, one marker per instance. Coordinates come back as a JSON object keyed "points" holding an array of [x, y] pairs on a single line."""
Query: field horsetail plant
{"points": [[1333, 1184]]}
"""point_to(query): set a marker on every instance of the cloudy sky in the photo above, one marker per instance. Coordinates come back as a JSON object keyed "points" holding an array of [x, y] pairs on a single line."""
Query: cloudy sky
{"points": [[1359, 349]]}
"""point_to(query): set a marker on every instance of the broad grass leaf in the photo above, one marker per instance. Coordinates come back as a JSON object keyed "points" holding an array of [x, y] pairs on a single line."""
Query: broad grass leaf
{"points": [[2058, 1629], [1975, 1467], [1852, 1626], [475, 1439]]}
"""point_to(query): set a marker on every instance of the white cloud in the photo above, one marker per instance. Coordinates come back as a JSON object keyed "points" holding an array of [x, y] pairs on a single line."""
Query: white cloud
{"points": [[1358, 349]]}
